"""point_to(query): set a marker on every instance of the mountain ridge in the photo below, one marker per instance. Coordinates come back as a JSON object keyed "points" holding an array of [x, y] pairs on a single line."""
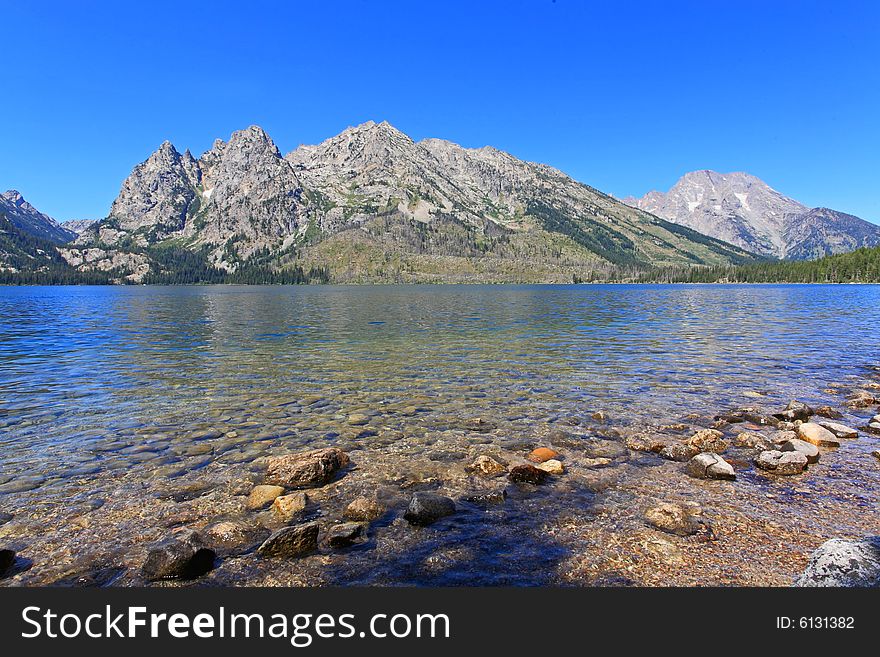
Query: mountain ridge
{"points": [[742, 209]]}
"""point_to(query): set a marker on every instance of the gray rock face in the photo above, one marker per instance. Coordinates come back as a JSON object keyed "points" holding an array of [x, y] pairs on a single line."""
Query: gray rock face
{"points": [[78, 226], [839, 430], [292, 541], [372, 187], [25, 216], [844, 563], [810, 451], [184, 556], [306, 469], [427, 508], [743, 210]]}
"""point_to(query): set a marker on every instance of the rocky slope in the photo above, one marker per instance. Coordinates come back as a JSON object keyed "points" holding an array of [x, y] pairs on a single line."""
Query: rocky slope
{"points": [[78, 225], [370, 204], [743, 210], [25, 216]]}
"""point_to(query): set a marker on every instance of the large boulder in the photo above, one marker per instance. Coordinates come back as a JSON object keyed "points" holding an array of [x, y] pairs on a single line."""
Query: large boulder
{"points": [[293, 541], [427, 508], [181, 556], [817, 435], [708, 465], [306, 469], [844, 563]]}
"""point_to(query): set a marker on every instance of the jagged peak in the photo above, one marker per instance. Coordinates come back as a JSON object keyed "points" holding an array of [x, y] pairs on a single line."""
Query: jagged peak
{"points": [[14, 196]]}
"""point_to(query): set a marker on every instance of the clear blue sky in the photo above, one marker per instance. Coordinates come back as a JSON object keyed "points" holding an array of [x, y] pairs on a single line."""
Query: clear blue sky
{"points": [[625, 96]]}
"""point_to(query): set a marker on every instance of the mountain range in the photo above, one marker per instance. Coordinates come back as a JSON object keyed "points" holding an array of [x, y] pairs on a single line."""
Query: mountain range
{"points": [[743, 210], [372, 205]]}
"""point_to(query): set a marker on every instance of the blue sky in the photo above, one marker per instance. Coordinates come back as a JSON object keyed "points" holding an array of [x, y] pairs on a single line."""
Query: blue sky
{"points": [[625, 96]]}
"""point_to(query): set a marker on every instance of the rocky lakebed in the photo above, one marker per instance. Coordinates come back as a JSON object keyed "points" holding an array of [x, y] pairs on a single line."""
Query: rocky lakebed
{"points": [[392, 496]]}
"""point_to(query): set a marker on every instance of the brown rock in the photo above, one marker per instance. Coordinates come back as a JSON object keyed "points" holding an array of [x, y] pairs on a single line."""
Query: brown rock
{"points": [[528, 474], [542, 454], [819, 436], [263, 496], [364, 509], [289, 507], [291, 541], [829, 412], [306, 469], [708, 440], [552, 466], [674, 519], [488, 467], [839, 430]]}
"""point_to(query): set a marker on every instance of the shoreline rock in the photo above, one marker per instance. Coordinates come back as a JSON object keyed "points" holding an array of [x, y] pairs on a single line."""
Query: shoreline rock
{"points": [[674, 519], [527, 474], [708, 465], [364, 509], [817, 435], [262, 496], [427, 508], [782, 463], [182, 556], [292, 541], [306, 469], [7, 558], [844, 563]]}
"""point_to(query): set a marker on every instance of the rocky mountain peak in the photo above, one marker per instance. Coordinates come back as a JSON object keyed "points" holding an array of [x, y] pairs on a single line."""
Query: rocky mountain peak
{"points": [[742, 209], [26, 217], [14, 196]]}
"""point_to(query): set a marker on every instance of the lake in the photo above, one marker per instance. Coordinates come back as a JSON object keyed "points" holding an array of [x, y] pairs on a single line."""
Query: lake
{"points": [[127, 412]]}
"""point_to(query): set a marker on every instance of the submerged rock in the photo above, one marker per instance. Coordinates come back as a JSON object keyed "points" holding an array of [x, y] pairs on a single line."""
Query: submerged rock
{"points": [[358, 419], [527, 474], [488, 498], [874, 427], [293, 541], [364, 509], [289, 507], [829, 412], [862, 399], [5, 517], [839, 430], [795, 411], [819, 436], [183, 556], [679, 452], [7, 558], [642, 442], [344, 534], [427, 508], [487, 466], [782, 463], [262, 496], [803, 447], [674, 518], [232, 536], [708, 440], [306, 469], [844, 563], [552, 466], [542, 454], [708, 465], [751, 440]]}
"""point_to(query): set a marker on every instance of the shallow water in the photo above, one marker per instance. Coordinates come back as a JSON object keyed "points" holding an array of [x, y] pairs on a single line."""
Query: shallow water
{"points": [[164, 384]]}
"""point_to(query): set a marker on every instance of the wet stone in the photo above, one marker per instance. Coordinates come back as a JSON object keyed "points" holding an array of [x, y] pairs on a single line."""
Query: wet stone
{"points": [[782, 463], [527, 474], [427, 508], [829, 412], [839, 430], [344, 534], [5, 517], [802, 446], [488, 467], [751, 440], [7, 558], [182, 556], [487, 498], [795, 411], [844, 563], [679, 452], [817, 435], [542, 454], [674, 518], [552, 466], [708, 465], [364, 509], [262, 496], [306, 469], [288, 507], [358, 419], [708, 440], [293, 541]]}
